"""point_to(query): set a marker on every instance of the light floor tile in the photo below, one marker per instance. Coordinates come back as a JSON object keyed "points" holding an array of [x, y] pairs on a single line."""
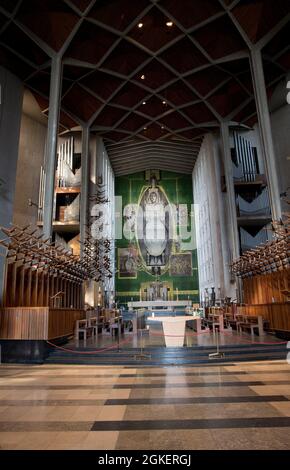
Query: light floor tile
{"points": [[112, 413], [264, 377], [271, 389], [252, 438], [36, 440], [166, 440], [200, 411], [10, 440], [100, 440], [282, 407], [16, 413]]}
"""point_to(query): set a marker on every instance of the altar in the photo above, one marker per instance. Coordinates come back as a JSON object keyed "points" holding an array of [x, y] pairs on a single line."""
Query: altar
{"points": [[154, 304], [174, 328]]}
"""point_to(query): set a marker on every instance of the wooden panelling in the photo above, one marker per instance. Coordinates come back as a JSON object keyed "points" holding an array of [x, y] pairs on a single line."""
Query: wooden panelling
{"points": [[266, 288], [278, 314], [263, 296], [23, 323], [62, 321], [37, 323]]}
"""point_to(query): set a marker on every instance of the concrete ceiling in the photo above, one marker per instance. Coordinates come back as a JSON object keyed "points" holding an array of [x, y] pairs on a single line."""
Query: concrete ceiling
{"points": [[148, 71]]}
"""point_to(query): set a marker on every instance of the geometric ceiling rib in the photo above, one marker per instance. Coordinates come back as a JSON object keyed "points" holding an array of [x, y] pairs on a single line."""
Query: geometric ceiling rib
{"points": [[51, 20], [218, 45], [191, 13], [159, 36], [257, 18], [147, 71], [132, 156], [118, 14]]}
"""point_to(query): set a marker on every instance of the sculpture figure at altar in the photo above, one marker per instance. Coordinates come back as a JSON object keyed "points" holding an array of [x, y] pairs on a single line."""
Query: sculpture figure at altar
{"points": [[154, 242], [155, 230]]}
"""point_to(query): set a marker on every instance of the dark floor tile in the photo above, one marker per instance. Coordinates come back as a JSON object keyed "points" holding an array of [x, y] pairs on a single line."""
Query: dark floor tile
{"points": [[193, 400], [191, 384], [192, 424]]}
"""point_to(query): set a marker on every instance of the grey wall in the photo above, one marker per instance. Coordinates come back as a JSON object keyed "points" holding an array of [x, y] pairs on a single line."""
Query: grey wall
{"points": [[280, 121], [10, 117], [213, 249], [31, 157]]}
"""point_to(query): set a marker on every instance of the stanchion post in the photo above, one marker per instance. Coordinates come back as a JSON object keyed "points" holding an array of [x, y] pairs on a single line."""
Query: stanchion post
{"points": [[141, 343], [119, 333], [141, 355], [217, 354]]}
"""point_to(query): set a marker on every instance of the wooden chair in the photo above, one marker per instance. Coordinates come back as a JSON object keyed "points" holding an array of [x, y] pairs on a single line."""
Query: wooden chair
{"points": [[240, 318], [115, 325], [94, 325], [81, 327], [218, 322]]}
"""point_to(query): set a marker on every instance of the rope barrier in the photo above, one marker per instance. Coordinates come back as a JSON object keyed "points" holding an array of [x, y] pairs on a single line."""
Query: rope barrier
{"points": [[116, 346], [258, 342]]}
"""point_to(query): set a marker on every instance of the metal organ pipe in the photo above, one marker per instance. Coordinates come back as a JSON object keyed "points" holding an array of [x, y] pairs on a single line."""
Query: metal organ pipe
{"points": [[65, 157], [40, 195], [251, 162], [245, 157]]}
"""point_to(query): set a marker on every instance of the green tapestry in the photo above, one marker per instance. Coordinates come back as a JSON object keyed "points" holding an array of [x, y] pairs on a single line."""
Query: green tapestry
{"points": [[156, 243]]}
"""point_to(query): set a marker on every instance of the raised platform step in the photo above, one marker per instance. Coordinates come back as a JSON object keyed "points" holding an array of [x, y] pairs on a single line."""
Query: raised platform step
{"points": [[167, 356]]}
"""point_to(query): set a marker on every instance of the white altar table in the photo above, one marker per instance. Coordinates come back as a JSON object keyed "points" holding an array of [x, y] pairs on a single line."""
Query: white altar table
{"points": [[174, 328]]}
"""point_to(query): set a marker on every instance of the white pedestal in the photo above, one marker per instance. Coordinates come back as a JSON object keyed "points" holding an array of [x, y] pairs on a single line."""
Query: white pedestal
{"points": [[174, 329]]}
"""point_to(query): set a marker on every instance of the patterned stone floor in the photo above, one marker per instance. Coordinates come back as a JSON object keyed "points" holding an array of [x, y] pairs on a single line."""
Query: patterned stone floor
{"points": [[229, 406], [155, 337]]}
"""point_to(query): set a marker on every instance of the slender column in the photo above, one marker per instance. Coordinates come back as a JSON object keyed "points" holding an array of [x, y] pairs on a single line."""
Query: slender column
{"points": [[231, 199], [28, 301], [265, 131], [21, 286], [14, 284], [10, 119], [85, 184], [51, 146], [75, 295]]}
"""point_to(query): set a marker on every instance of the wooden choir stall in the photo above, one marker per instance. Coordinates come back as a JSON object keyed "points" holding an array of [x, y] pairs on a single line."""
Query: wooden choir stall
{"points": [[265, 274], [43, 294]]}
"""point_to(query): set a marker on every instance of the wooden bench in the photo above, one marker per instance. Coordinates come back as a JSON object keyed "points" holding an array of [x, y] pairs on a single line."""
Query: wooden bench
{"points": [[252, 323]]}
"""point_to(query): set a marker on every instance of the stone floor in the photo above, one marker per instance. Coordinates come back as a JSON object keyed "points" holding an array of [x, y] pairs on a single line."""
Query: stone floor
{"points": [[229, 406], [155, 337]]}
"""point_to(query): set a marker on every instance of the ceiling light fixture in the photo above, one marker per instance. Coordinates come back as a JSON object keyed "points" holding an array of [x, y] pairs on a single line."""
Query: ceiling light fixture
{"points": [[144, 102], [142, 77], [140, 25], [145, 128], [169, 24], [163, 102]]}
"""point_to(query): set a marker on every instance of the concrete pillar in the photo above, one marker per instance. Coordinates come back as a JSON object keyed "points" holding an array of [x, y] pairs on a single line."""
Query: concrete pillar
{"points": [[10, 119], [51, 146], [84, 208], [265, 131], [231, 199]]}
